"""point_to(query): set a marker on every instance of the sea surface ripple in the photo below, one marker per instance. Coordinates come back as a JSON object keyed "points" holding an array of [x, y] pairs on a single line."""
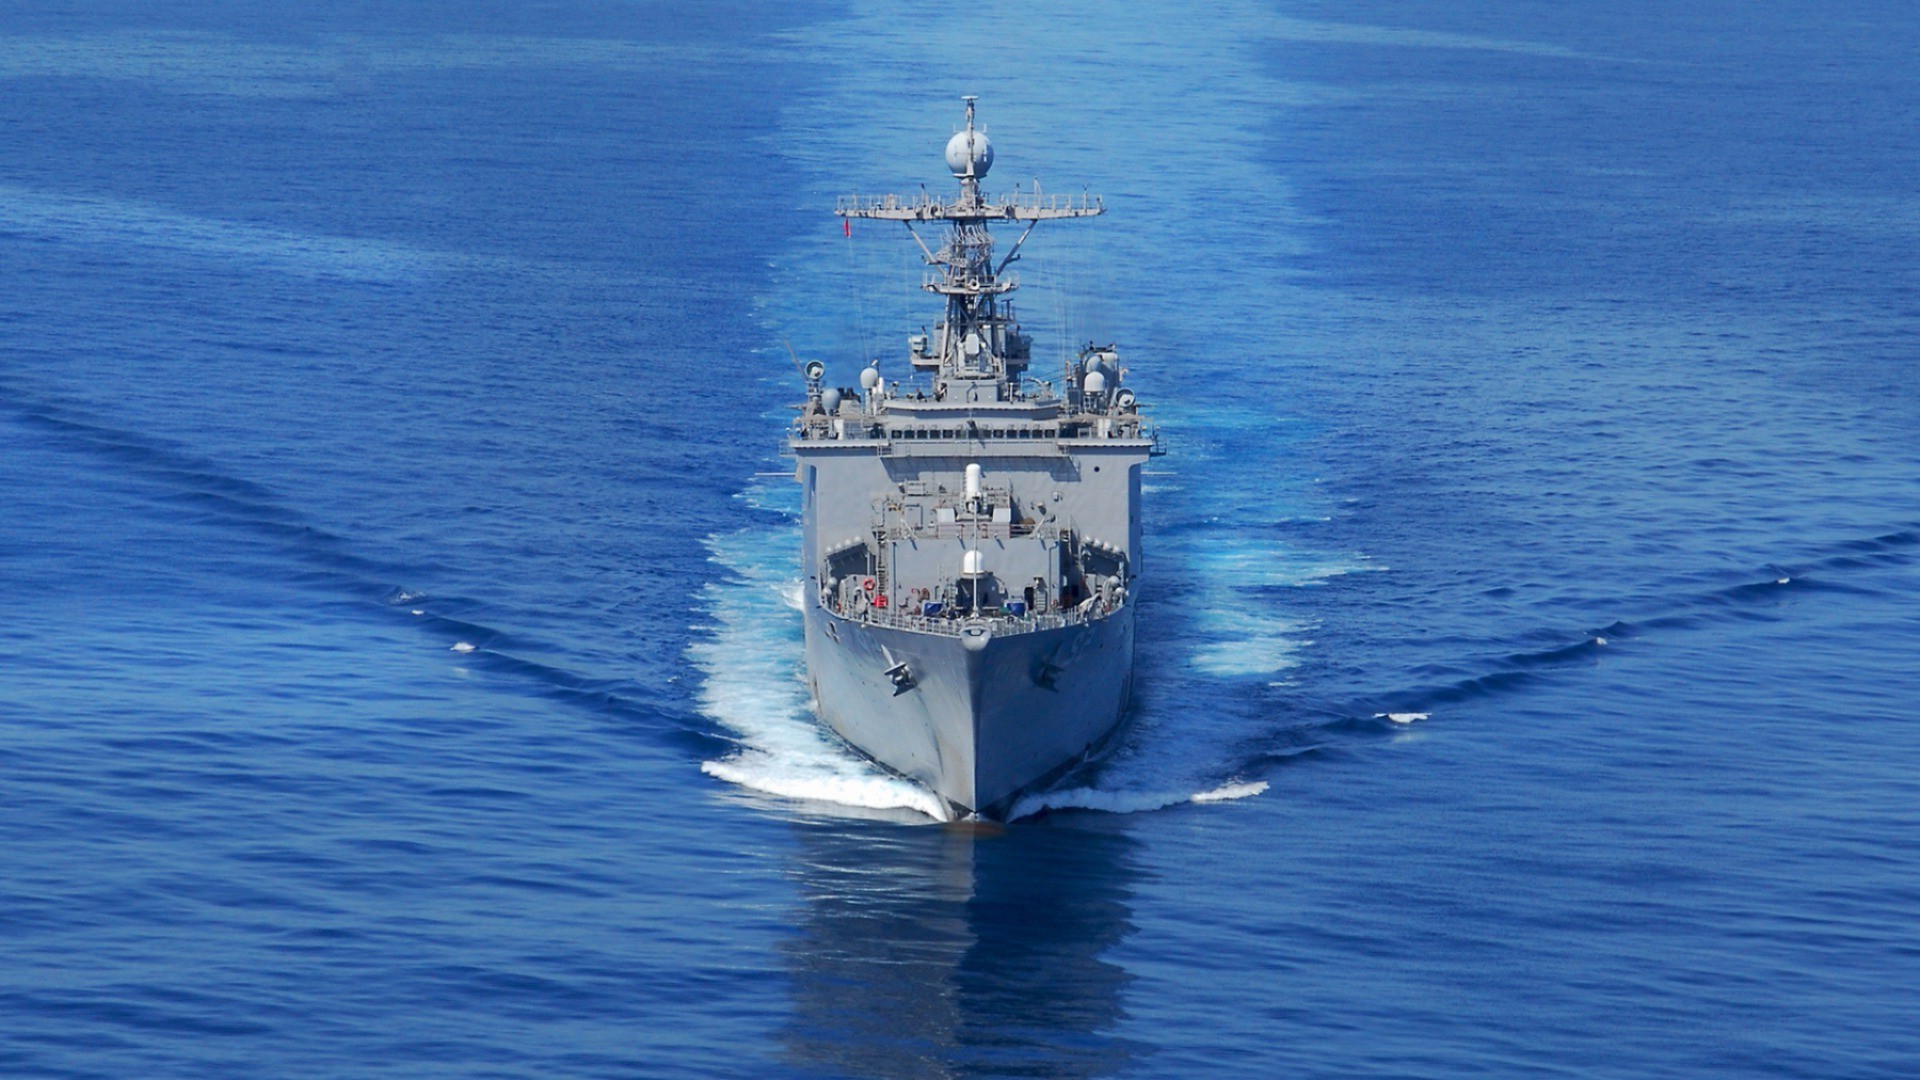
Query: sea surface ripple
{"points": [[399, 653]]}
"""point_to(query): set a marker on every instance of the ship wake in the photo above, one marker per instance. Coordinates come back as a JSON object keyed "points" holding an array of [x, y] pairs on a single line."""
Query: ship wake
{"points": [[752, 657], [753, 660], [1125, 801]]}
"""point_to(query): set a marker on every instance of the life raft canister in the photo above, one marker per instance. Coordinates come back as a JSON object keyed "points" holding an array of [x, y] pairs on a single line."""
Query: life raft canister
{"points": [[880, 601]]}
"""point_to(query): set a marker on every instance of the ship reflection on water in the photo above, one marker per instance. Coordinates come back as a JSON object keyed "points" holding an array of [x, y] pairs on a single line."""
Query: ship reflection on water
{"points": [[958, 952]]}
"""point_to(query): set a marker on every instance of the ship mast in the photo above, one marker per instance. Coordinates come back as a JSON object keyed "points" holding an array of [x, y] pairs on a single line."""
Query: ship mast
{"points": [[979, 350]]}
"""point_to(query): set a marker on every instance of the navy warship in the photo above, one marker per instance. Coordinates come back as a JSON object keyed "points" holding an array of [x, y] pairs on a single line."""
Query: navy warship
{"points": [[971, 533]]}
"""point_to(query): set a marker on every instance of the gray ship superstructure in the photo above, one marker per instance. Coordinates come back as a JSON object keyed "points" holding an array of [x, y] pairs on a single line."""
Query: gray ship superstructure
{"points": [[972, 533]]}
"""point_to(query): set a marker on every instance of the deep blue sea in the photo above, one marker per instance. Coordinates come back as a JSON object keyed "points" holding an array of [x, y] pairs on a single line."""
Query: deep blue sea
{"points": [[399, 666]]}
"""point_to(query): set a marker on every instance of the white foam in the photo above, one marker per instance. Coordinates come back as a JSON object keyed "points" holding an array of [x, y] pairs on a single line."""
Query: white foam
{"points": [[1401, 717], [1122, 801], [872, 791], [1240, 638], [1783, 581], [462, 647], [1242, 632], [1241, 565], [777, 494], [752, 658], [1239, 641], [1230, 792]]}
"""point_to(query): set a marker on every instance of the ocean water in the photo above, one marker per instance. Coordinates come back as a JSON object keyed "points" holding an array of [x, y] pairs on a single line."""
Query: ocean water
{"points": [[399, 659]]}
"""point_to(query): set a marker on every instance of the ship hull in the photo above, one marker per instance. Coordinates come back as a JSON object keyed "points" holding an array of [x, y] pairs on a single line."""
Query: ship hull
{"points": [[979, 722]]}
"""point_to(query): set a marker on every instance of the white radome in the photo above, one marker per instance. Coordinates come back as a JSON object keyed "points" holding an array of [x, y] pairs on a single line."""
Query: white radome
{"points": [[957, 153]]}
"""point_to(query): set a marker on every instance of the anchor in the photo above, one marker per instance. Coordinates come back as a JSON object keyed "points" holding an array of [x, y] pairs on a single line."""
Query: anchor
{"points": [[898, 673]]}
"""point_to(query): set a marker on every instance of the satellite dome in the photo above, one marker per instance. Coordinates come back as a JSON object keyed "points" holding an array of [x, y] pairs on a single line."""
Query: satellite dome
{"points": [[830, 400], [959, 152], [1096, 383], [870, 378]]}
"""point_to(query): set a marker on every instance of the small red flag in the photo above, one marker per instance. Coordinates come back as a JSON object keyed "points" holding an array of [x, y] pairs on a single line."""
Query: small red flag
{"points": [[846, 226]]}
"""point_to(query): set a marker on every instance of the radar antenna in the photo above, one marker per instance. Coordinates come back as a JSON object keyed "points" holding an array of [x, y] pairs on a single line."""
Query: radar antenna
{"points": [[978, 341]]}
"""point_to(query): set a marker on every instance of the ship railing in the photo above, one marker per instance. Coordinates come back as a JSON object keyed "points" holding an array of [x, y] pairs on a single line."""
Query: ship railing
{"points": [[962, 530], [1016, 204], [969, 284], [1000, 624], [821, 428]]}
